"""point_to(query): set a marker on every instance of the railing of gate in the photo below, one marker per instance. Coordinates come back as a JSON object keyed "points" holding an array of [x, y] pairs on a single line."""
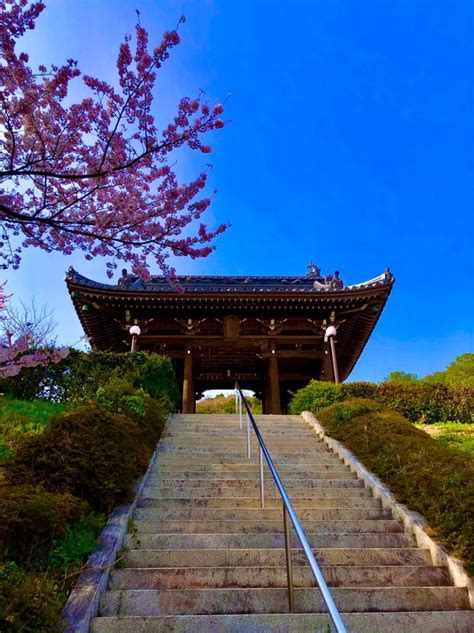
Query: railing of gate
{"points": [[288, 514]]}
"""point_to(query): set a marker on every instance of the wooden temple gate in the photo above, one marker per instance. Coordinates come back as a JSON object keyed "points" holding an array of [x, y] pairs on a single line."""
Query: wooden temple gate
{"points": [[272, 334]]}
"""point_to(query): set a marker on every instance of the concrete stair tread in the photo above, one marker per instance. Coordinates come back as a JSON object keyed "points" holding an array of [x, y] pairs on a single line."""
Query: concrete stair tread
{"points": [[267, 557], [262, 526], [276, 576], [254, 502], [245, 514], [274, 600], [219, 541], [387, 622]]}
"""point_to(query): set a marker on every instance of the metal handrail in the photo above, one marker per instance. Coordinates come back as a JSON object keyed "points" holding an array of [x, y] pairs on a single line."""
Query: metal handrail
{"points": [[288, 510]]}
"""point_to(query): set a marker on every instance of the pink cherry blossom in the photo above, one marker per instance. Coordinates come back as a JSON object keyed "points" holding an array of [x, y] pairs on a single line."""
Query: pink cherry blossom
{"points": [[97, 176]]}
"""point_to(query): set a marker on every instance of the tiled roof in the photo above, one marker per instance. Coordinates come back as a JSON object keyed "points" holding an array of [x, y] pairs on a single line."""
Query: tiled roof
{"points": [[224, 284]]}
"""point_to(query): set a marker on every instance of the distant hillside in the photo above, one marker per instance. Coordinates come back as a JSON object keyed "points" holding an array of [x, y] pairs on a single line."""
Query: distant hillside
{"points": [[225, 404]]}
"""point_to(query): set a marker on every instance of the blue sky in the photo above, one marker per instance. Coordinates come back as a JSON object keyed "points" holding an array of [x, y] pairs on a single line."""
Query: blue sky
{"points": [[350, 144]]}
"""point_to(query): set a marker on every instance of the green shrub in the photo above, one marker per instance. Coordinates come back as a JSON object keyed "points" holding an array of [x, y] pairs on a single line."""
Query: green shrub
{"points": [[418, 401], [316, 395], [77, 377], [91, 453], [31, 518], [29, 603], [358, 390], [18, 417], [119, 396], [432, 479], [428, 403], [79, 542]]}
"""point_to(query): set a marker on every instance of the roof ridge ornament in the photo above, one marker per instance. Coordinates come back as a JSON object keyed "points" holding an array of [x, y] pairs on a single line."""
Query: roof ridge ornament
{"points": [[329, 282], [314, 271]]}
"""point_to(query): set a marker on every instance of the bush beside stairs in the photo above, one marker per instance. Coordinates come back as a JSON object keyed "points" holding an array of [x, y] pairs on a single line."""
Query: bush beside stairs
{"points": [[203, 556]]}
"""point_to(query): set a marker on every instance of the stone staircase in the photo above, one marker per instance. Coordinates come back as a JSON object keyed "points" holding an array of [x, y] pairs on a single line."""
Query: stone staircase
{"points": [[204, 557]]}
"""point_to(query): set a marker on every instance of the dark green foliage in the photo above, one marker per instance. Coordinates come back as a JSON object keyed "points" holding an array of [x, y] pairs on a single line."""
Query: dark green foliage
{"points": [[77, 377], [428, 403], [29, 602], [18, 417], [358, 390], [460, 373], [314, 396], [428, 477], [401, 377], [417, 401], [31, 518], [5, 452], [79, 542], [93, 454]]}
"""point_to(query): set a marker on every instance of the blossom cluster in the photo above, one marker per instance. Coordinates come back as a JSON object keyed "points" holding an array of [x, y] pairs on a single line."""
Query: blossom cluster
{"points": [[98, 175]]}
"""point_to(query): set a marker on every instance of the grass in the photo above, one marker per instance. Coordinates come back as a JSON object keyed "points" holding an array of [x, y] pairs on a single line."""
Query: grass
{"points": [[20, 417], [453, 434]]}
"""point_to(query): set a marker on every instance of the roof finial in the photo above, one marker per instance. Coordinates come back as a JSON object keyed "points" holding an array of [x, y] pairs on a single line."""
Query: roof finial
{"points": [[314, 271]]}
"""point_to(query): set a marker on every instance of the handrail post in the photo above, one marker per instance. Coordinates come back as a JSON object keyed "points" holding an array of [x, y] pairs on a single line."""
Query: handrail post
{"points": [[248, 436], [240, 411], [289, 564], [262, 481]]}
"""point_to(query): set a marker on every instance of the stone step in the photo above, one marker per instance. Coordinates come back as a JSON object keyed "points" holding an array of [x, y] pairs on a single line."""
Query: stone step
{"points": [[205, 460], [327, 501], [265, 541], [261, 577], [385, 526], [236, 494], [250, 485], [274, 557], [146, 602], [240, 493], [387, 622], [227, 436], [235, 452], [241, 470], [257, 514], [341, 473], [210, 440]]}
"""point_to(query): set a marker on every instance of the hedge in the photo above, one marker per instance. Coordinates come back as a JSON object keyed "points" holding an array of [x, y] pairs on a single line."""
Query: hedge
{"points": [[429, 478], [77, 377], [428, 403]]}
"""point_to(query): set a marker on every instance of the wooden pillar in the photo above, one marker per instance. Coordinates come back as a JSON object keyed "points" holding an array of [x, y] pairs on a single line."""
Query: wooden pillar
{"points": [[327, 363], [267, 403], [274, 382], [188, 383]]}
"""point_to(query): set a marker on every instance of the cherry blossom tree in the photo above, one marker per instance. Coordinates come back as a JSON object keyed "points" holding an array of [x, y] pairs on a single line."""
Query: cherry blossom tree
{"points": [[97, 175], [25, 344]]}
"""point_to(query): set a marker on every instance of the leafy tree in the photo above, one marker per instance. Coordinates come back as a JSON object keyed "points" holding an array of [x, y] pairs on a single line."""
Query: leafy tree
{"points": [[460, 373], [401, 376]]}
